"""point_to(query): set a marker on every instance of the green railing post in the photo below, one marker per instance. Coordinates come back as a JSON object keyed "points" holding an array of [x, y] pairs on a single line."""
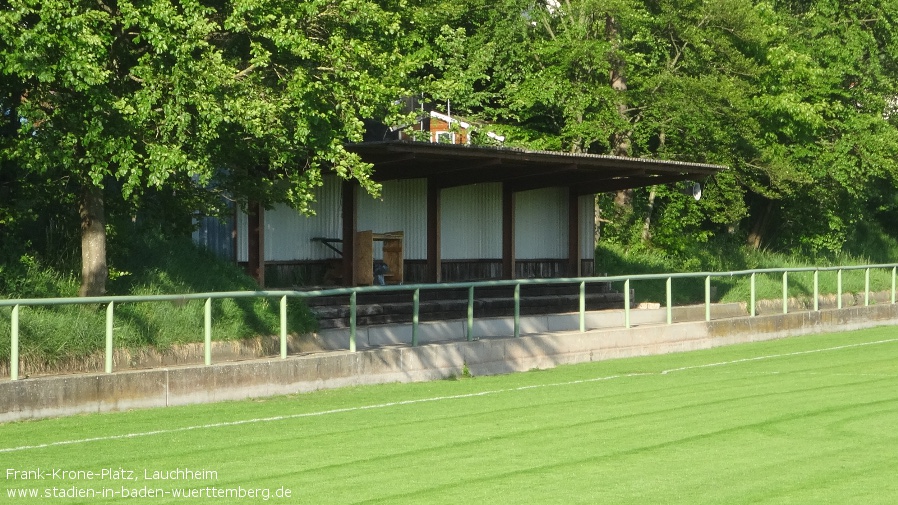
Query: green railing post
{"points": [[109, 329], [752, 296], [352, 321], [866, 287], [894, 271], [470, 332], [839, 288], [14, 345], [669, 298], [582, 306], [416, 305], [707, 298], [284, 327], [627, 303], [517, 310], [785, 292], [816, 290], [207, 331]]}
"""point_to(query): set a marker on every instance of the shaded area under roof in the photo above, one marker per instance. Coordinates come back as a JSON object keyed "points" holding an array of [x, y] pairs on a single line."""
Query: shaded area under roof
{"points": [[449, 165]]}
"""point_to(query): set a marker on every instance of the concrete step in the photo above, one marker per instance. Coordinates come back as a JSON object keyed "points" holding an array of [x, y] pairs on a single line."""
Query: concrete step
{"points": [[337, 316], [447, 292], [377, 335]]}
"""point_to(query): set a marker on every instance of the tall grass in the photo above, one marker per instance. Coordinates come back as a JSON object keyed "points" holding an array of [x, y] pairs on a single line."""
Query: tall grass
{"points": [[147, 265]]}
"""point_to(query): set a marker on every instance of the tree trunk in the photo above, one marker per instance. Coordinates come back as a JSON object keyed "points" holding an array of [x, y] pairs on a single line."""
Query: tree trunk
{"points": [[256, 242], [620, 141], [649, 208], [759, 229], [93, 242], [623, 199]]}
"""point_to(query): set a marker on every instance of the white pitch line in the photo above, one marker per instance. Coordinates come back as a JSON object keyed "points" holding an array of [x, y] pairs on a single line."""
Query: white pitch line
{"points": [[771, 356], [820, 374], [412, 402], [305, 414]]}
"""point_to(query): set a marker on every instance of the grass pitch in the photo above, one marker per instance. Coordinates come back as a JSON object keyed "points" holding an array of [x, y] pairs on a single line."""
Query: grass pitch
{"points": [[802, 420]]}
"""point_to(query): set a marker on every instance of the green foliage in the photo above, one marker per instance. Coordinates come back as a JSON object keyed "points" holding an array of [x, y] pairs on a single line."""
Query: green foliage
{"points": [[797, 98], [29, 277], [168, 107], [250, 98], [873, 241]]}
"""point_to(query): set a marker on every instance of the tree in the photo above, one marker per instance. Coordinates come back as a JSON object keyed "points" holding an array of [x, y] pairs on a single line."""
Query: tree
{"points": [[692, 77], [256, 96], [794, 97], [827, 107], [656, 79], [569, 91]]}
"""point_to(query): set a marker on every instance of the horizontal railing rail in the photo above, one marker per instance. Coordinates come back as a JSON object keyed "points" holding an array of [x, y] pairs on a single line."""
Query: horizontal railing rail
{"points": [[415, 289]]}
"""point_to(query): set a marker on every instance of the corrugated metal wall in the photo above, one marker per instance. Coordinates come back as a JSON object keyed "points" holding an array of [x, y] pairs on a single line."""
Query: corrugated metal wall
{"points": [[541, 224], [216, 235], [288, 234], [587, 227], [471, 224], [402, 206]]}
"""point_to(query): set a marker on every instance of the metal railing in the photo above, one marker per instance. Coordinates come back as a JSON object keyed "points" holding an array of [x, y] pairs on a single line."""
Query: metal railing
{"points": [[112, 301]]}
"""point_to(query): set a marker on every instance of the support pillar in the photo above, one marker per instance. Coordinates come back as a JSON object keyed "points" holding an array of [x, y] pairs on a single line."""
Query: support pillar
{"points": [[434, 239], [508, 250], [573, 234], [350, 223], [256, 242]]}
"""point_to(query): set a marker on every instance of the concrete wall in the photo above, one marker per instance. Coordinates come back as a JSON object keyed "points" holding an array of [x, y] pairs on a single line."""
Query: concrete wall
{"points": [[544, 348]]}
